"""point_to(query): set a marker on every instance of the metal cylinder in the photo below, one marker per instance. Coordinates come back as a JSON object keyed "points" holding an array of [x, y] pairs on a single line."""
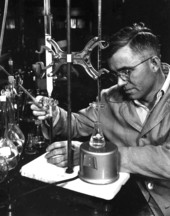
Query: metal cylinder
{"points": [[99, 166]]}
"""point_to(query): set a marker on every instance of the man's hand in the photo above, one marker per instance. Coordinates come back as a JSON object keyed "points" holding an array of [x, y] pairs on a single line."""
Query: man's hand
{"points": [[57, 153], [41, 111]]}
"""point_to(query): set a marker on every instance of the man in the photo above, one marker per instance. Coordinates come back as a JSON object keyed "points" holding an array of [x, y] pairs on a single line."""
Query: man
{"points": [[135, 117]]}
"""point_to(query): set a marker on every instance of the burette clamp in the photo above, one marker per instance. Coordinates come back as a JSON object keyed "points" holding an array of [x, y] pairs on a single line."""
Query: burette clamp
{"points": [[69, 58], [82, 58]]}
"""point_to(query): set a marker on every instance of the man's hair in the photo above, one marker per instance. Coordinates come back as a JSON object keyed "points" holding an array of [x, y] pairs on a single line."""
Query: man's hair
{"points": [[137, 36]]}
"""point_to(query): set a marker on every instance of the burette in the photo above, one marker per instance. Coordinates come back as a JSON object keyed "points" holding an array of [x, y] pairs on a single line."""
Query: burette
{"points": [[48, 59]]}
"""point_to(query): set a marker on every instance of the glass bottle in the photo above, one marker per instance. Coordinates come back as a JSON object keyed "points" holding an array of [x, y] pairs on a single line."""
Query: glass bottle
{"points": [[97, 139]]}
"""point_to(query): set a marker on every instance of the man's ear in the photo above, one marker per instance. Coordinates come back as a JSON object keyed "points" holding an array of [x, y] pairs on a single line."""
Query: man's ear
{"points": [[155, 63]]}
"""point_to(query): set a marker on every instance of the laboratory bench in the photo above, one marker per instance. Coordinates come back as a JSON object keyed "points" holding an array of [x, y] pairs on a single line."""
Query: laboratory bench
{"points": [[22, 196]]}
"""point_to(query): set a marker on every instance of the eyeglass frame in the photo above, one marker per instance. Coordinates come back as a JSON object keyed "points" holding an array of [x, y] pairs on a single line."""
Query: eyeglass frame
{"points": [[125, 76]]}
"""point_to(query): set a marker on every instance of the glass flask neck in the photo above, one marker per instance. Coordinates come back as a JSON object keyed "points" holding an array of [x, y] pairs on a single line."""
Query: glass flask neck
{"points": [[10, 112]]}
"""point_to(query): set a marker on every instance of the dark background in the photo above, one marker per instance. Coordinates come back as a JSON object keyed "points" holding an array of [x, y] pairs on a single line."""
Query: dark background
{"points": [[24, 34]]}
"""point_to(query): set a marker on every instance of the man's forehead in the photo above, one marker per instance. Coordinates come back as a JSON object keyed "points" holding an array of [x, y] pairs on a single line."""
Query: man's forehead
{"points": [[123, 53], [126, 54], [123, 56]]}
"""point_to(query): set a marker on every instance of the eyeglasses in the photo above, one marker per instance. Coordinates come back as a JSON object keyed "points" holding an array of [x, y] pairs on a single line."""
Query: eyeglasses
{"points": [[125, 72]]}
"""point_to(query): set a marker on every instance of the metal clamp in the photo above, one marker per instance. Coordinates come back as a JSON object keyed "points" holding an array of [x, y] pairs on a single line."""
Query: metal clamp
{"points": [[82, 58]]}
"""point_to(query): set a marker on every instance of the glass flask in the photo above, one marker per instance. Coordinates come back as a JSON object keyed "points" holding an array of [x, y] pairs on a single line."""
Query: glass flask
{"points": [[9, 151], [39, 138], [12, 131], [97, 139], [12, 138]]}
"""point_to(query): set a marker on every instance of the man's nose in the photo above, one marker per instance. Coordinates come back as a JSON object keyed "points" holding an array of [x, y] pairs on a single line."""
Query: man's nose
{"points": [[121, 82]]}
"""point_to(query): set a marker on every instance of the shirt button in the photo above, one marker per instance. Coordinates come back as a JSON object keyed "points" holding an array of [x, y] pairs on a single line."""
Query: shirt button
{"points": [[150, 185]]}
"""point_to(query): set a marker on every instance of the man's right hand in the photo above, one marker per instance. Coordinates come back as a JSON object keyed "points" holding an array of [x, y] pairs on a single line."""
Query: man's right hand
{"points": [[41, 112]]}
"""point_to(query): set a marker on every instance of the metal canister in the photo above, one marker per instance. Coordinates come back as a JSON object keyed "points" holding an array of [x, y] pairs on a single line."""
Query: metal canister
{"points": [[99, 166]]}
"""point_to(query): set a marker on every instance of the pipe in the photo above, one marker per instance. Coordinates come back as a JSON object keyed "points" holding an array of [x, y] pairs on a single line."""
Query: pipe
{"points": [[69, 61], [3, 25]]}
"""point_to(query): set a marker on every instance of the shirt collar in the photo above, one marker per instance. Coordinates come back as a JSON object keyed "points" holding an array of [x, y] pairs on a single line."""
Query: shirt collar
{"points": [[167, 81], [163, 90]]}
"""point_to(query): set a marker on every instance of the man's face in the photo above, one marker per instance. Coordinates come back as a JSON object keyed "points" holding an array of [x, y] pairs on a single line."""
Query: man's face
{"points": [[140, 83]]}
